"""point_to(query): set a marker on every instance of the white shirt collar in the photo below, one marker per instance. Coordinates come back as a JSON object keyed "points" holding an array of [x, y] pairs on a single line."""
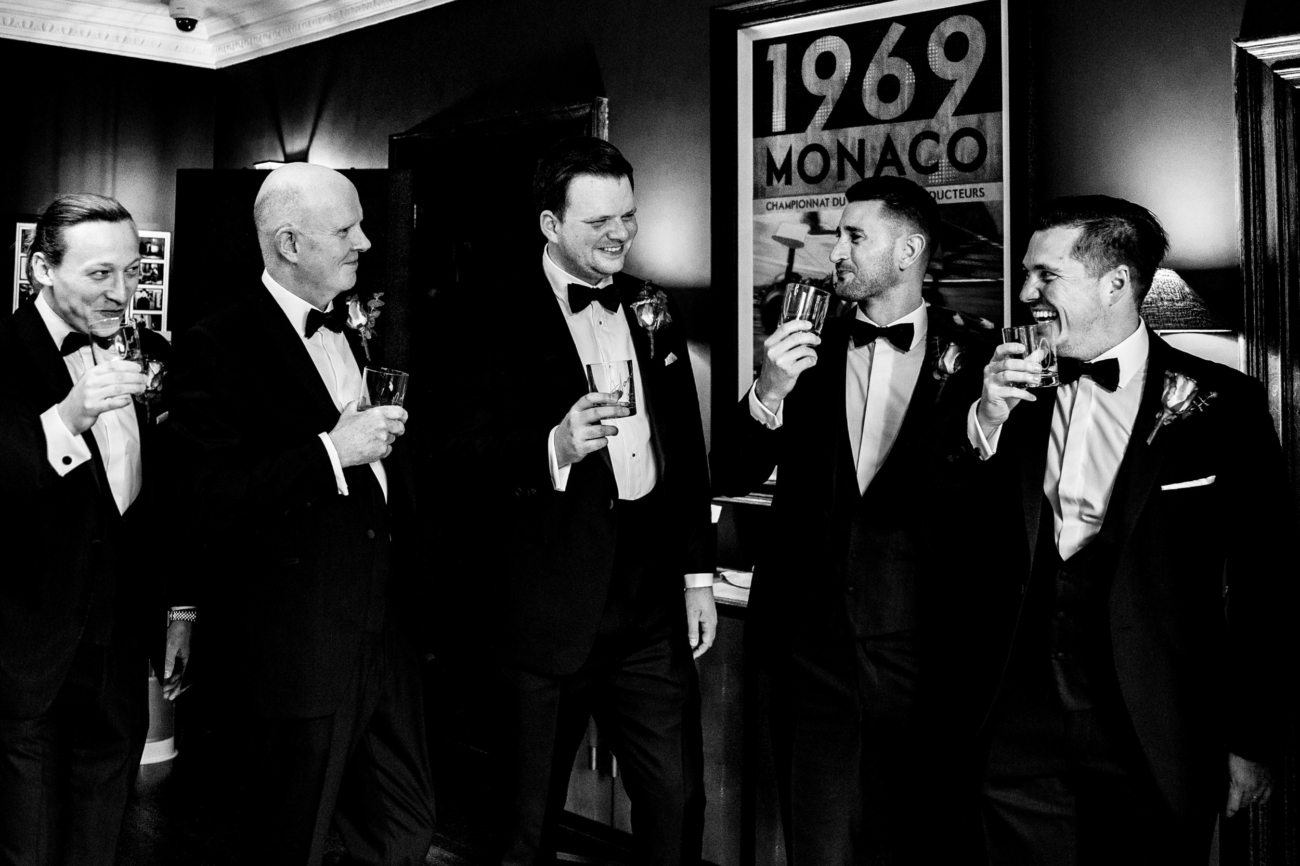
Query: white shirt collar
{"points": [[918, 319], [294, 307], [559, 279], [1131, 352], [53, 322]]}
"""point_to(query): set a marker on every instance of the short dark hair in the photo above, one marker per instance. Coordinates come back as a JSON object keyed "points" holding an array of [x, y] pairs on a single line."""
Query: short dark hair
{"points": [[1114, 232], [904, 200], [568, 159], [50, 238]]}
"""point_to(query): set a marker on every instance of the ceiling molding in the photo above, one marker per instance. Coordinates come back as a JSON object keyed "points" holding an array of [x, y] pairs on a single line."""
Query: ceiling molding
{"points": [[239, 31]]}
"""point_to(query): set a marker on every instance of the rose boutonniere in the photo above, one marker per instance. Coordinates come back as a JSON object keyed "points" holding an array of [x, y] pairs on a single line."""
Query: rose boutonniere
{"points": [[947, 359], [651, 310], [1181, 397], [362, 320]]}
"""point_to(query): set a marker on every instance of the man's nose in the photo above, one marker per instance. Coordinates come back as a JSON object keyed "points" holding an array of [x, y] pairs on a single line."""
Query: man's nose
{"points": [[619, 231], [1029, 291], [360, 242], [119, 289], [838, 253]]}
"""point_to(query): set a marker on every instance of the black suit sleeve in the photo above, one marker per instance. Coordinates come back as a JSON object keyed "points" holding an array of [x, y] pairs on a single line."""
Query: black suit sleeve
{"points": [[234, 475], [744, 453], [1261, 582]]}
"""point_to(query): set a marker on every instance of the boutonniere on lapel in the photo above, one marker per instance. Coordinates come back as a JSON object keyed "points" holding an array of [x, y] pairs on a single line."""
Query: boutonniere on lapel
{"points": [[946, 358], [1181, 397], [363, 320], [651, 309]]}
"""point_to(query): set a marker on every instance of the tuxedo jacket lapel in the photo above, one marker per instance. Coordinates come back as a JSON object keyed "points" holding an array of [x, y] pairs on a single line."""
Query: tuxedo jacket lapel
{"points": [[1141, 463], [544, 325], [832, 357], [650, 368], [1031, 451], [285, 344]]}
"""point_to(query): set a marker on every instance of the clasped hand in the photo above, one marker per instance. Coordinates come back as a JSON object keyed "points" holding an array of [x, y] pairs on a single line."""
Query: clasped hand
{"points": [[789, 351], [364, 437], [583, 430], [102, 388], [1007, 377]]}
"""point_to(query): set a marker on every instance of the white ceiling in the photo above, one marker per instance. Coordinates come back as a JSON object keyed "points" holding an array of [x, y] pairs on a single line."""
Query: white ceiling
{"points": [[229, 31]]}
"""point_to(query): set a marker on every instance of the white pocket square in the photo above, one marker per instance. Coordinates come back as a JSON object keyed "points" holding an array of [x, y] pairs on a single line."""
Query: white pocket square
{"points": [[671, 357], [1183, 485], [161, 418]]}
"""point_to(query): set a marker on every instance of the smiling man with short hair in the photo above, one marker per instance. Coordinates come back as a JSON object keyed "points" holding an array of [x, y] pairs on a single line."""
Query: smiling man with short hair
{"points": [[1123, 567], [83, 534]]}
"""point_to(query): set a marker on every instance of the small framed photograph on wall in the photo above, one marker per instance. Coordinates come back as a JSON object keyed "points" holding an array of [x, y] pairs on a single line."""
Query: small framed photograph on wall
{"points": [[149, 303], [24, 291]]}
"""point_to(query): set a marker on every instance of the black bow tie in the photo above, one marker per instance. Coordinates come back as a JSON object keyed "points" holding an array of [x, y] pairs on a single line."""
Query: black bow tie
{"points": [[1105, 373], [580, 297], [900, 335], [76, 340], [333, 320]]}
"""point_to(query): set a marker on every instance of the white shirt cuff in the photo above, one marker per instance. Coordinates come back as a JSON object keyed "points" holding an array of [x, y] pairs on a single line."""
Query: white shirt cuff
{"points": [[760, 413], [64, 449], [699, 581], [339, 480], [986, 447], [559, 474]]}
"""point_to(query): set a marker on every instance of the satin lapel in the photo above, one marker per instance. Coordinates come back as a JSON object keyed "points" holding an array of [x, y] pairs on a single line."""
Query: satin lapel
{"points": [[650, 370], [1137, 472], [358, 348], [284, 341], [1031, 450], [919, 406], [832, 357], [54, 379], [544, 323]]}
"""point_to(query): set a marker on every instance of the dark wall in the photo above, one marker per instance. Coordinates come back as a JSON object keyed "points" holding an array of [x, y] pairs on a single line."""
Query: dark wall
{"points": [[1134, 99], [81, 121]]}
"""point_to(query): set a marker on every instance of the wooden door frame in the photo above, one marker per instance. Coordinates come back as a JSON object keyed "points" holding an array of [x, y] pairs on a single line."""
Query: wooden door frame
{"points": [[1267, 87]]}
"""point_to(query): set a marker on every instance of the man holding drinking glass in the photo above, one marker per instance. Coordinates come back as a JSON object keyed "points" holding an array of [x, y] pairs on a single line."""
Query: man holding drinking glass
{"points": [[598, 538], [301, 504], [84, 536], [837, 612], [1115, 519]]}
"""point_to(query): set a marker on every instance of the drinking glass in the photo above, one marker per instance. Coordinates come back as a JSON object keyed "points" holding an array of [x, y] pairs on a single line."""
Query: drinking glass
{"points": [[383, 386], [803, 301], [614, 377], [1038, 338], [103, 328]]}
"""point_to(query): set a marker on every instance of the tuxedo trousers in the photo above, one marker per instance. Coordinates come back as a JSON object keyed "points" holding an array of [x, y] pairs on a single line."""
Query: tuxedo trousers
{"points": [[1072, 788], [365, 768], [66, 774], [844, 728]]}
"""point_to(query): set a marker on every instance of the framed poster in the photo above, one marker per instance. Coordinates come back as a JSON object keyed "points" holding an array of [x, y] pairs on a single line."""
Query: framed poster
{"points": [[23, 291], [149, 304], [826, 94]]}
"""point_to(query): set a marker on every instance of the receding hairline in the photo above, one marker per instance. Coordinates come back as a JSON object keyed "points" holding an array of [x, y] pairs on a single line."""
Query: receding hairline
{"points": [[288, 193]]}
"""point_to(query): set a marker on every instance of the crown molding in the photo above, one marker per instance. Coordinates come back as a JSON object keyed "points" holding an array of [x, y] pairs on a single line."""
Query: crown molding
{"points": [[143, 29]]}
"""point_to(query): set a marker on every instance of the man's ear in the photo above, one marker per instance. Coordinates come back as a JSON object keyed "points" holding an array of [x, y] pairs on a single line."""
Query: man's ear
{"points": [[550, 225], [908, 250], [41, 269], [286, 244], [1119, 284]]}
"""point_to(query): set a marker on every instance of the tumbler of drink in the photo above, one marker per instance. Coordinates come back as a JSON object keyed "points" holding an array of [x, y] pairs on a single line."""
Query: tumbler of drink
{"points": [[803, 301], [614, 377], [1038, 338], [382, 386]]}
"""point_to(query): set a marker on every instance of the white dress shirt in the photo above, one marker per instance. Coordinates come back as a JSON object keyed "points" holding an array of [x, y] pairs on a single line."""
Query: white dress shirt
{"points": [[333, 359], [116, 432], [1091, 428], [878, 384], [600, 335]]}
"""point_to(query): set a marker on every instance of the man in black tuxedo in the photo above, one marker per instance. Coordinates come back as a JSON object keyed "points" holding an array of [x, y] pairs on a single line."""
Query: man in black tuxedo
{"points": [[1122, 565], [603, 513], [836, 612], [304, 507], [81, 605]]}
